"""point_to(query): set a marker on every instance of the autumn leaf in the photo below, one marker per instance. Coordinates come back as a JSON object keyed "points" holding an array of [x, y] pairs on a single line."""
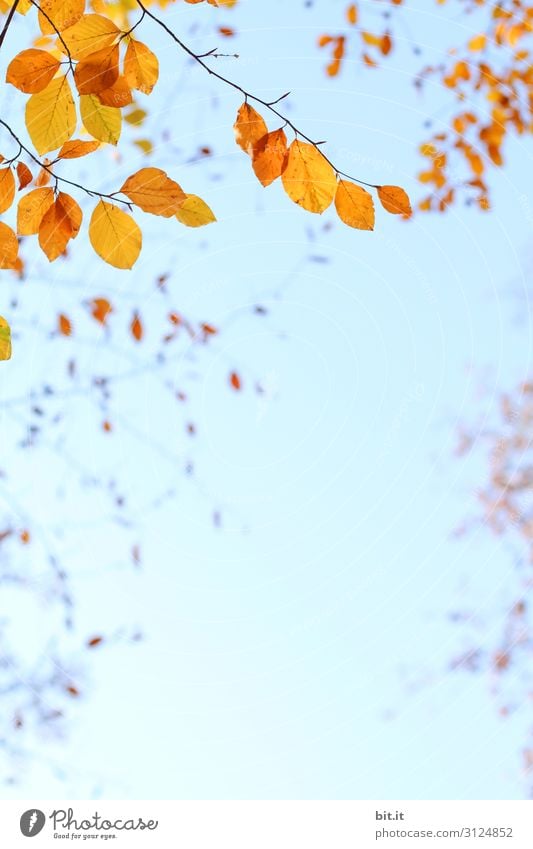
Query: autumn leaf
{"points": [[249, 127], [354, 205], [9, 246], [101, 309], [118, 95], [98, 71], [114, 235], [31, 70], [60, 223], [308, 179], [153, 191], [89, 35], [141, 67], [270, 156], [102, 122], [194, 212], [5, 330], [136, 328], [31, 209], [76, 148], [235, 381], [51, 115], [394, 199], [64, 325], [24, 175], [63, 13], [7, 188]]}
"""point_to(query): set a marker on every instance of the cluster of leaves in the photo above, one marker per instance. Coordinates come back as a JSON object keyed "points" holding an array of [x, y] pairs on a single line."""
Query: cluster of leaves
{"points": [[491, 72], [506, 502], [307, 175]]}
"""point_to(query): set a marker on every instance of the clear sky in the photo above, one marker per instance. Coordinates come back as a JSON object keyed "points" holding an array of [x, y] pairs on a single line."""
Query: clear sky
{"points": [[302, 649]]}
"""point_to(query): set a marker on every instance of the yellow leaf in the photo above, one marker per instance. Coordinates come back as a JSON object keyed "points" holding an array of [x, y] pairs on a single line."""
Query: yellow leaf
{"points": [[31, 209], [76, 148], [102, 122], [153, 191], [114, 235], [9, 247], [31, 70], [7, 188], [354, 205], [308, 178], [395, 200], [51, 116], [478, 42], [249, 127], [135, 117], [63, 13], [98, 71], [145, 145], [269, 157], [90, 34], [194, 212], [5, 332], [141, 67]]}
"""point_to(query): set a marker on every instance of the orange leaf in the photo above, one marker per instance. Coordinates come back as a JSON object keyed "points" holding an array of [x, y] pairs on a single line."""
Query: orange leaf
{"points": [[31, 70], [98, 71], [249, 127], [63, 13], [153, 191], [351, 14], [118, 95], [76, 148], [136, 327], [354, 205], [64, 325], [24, 174], [269, 157], [141, 67], [7, 188], [101, 309], [394, 199], [235, 381], [55, 231], [9, 247]]}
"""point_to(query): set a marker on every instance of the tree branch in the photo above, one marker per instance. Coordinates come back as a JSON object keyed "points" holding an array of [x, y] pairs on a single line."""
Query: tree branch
{"points": [[199, 58], [8, 21]]}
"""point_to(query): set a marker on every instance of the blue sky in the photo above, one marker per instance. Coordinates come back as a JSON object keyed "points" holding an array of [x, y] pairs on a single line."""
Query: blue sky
{"points": [[301, 650]]}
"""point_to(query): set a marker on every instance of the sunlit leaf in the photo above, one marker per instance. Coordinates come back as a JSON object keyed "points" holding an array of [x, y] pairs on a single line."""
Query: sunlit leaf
{"points": [[308, 178], [194, 212], [98, 71], [31, 70], [114, 235], [270, 156], [7, 188], [76, 148], [102, 122], [51, 115], [31, 209], [394, 199], [5, 330], [141, 67], [9, 246], [153, 191], [354, 205], [90, 34], [249, 127]]}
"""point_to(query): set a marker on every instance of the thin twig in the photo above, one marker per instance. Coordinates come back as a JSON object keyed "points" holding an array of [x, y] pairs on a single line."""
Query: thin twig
{"points": [[247, 94], [8, 21]]}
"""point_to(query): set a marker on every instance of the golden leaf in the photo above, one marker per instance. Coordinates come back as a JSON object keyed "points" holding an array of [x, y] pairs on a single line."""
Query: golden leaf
{"points": [[102, 122], [63, 13], [5, 331], [9, 247], [31, 209], [90, 34], [7, 188], [76, 148], [249, 127], [354, 205], [194, 212], [308, 179], [51, 116], [114, 235], [153, 191], [141, 67]]}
